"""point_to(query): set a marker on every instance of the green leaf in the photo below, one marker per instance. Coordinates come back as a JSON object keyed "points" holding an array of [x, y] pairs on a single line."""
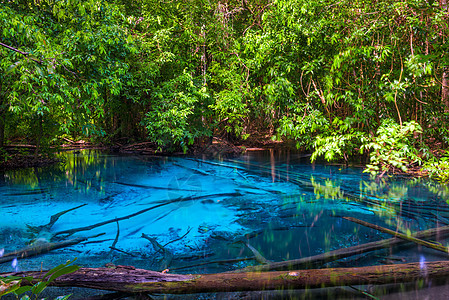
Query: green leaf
{"points": [[57, 268], [63, 271], [9, 287], [39, 287], [14, 66], [23, 289]]}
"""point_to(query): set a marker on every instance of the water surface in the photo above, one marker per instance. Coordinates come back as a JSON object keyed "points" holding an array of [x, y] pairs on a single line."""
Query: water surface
{"points": [[205, 213]]}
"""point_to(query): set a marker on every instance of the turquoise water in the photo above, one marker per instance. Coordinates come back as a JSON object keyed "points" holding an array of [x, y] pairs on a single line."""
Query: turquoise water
{"points": [[208, 214]]}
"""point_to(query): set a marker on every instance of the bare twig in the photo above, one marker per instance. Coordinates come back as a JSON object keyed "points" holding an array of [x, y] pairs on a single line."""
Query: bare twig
{"points": [[118, 250]]}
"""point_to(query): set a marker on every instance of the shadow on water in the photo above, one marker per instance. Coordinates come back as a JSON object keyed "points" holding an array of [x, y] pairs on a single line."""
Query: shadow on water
{"points": [[204, 216]]}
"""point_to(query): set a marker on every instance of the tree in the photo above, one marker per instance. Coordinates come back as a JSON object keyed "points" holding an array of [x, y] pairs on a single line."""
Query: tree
{"points": [[58, 61]]}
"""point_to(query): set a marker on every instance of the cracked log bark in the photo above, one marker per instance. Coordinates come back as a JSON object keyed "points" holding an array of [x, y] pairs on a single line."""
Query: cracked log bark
{"points": [[131, 280]]}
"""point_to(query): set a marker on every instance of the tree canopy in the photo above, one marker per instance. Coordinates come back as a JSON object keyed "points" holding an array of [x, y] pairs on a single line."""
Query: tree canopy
{"points": [[337, 77]]}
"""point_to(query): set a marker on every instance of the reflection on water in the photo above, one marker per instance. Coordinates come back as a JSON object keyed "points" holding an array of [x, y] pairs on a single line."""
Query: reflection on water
{"points": [[208, 210]]}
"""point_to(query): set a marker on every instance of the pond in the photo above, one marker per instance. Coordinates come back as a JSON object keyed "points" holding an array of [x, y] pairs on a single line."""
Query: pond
{"points": [[194, 215]]}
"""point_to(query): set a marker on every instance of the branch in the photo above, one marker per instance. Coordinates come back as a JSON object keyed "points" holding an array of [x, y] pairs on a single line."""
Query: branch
{"points": [[400, 235], [21, 52], [320, 259], [42, 248]]}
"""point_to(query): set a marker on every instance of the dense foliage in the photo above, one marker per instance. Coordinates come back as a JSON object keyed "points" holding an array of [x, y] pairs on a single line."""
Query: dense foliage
{"points": [[338, 77]]}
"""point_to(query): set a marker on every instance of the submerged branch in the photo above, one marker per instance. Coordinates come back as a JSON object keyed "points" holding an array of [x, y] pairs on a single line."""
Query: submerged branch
{"points": [[114, 243], [42, 248], [168, 256], [400, 235], [85, 228], [53, 219], [320, 259]]}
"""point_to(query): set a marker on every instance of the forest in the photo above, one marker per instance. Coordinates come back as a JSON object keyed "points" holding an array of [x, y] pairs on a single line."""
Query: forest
{"points": [[340, 79], [362, 82]]}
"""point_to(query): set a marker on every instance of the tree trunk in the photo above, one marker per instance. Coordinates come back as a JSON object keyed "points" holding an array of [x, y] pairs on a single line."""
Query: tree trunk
{"points": [[445, 80], [131, 280], [445, 89], [2, 127], [3, 111]]}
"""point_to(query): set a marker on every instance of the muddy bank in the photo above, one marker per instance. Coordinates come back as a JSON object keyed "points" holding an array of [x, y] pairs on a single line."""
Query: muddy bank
{"points": [[18, 156]]}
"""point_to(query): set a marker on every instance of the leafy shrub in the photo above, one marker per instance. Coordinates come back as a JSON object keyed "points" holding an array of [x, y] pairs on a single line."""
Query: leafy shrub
{"points": [[340, 141], [438, 168], [392, 149], [175, 116], [302, 125], [12, 284]]}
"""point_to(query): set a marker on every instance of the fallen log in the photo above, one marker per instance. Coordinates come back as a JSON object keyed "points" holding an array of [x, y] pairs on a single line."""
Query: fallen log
{"points": [[131, 280], [42, 248], [400, 235], [320, 259]]}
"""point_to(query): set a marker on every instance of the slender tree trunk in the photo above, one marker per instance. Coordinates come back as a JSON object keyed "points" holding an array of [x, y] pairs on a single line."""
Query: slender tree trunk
{"points": [[2, 127], [445, 89], [2, 117], [39, 134], [445, 80]]}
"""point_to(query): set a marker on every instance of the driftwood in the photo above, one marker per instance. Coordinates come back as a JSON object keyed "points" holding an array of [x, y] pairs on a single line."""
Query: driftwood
{"points": [[400, 235], [42, 248], [131, 280], [320, 259]]}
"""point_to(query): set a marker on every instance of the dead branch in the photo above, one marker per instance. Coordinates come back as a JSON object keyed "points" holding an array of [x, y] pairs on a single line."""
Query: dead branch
{"points": [[400, 235], [320, 259], [42, 248], [116, 238], [74, 230], [168, 256], [121, 251], [180, 238]]}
